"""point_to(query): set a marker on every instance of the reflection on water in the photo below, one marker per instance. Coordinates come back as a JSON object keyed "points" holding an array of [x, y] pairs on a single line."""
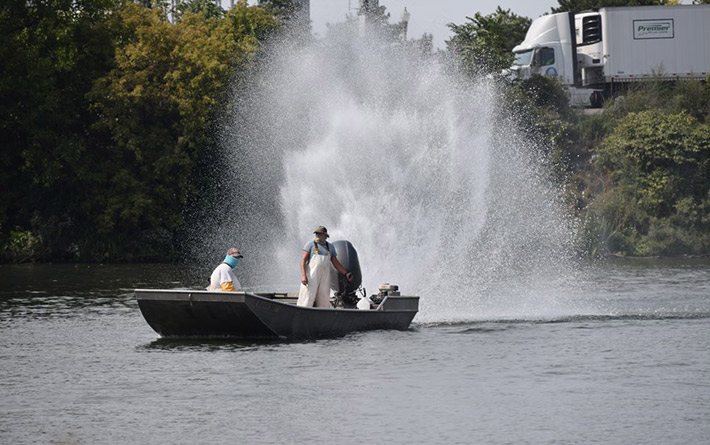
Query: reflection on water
{"points": [[38, 306], [87, 279], [635, 288], [68, 290], [207, 345]]}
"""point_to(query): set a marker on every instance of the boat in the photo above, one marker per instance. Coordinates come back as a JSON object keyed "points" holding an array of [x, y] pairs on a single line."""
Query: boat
{"points": [[266, 315], [244, 315]]}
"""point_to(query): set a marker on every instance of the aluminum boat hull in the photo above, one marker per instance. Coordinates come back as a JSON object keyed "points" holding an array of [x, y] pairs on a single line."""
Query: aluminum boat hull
{"points": [[244, 315]]}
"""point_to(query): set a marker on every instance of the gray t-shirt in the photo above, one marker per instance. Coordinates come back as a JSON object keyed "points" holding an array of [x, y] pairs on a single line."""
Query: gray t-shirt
{"points": [[310, 247]]}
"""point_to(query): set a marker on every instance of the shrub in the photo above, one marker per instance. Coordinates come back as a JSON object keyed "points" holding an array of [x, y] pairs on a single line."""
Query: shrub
{"points": [[22, 246]]}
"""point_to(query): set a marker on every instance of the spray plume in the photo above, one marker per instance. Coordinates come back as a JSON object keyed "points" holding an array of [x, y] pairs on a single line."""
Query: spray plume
{"points": [[422, 169]]}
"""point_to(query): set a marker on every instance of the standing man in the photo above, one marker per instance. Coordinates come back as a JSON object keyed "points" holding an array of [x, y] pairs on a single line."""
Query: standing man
{"points": [[223, 278], [317, 257]]}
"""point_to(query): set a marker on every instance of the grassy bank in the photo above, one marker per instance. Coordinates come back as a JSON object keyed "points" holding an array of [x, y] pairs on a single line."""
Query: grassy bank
{"points": [[637, 174]]}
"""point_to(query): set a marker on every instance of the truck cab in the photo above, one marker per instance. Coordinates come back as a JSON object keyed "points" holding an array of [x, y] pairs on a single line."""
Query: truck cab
{"points": [[547, 50], [540, 61], [550, 49]]}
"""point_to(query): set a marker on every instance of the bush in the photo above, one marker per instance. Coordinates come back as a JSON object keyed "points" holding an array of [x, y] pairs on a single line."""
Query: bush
{"points": [[654, 198], [22, 246]]}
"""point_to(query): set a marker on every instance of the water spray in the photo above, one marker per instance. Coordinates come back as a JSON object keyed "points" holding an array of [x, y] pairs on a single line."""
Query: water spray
{"points": [[425, 171]]}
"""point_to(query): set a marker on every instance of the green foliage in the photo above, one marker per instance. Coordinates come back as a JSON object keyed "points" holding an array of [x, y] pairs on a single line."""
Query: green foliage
{"points": [[547, 92], [425, 45], [21, 246], [285, 10], [46, 71], [51, 52], [543, 110], [106, 110], [206, 8], [154, 109], [657, 190], [637, 173], [376, 14], [660, 155], [693, 98], [486, 42]]}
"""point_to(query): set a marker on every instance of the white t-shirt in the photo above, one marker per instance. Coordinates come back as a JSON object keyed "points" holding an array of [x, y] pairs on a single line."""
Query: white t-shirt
{"points": [[222, 274]]}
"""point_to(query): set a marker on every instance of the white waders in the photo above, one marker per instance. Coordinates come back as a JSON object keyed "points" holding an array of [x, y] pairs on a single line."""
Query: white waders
{"points": [[318, 289]]}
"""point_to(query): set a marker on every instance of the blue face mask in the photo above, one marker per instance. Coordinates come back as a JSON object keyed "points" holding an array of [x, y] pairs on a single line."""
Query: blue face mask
{"points": [[231, 261]]}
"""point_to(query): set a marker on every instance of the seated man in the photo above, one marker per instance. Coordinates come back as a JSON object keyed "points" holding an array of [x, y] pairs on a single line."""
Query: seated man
{"points": [[223, 278]]}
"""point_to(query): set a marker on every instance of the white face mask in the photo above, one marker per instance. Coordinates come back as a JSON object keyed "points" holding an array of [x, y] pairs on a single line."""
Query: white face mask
{"points": [[320, 238]]}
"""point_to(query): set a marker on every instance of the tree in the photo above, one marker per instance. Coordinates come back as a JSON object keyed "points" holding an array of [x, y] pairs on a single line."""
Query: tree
{"points": [[425, 44], [207, 8], [283, 9], [486, 42], [51, 50], [658, 169], [154, 110], [106, 109]]}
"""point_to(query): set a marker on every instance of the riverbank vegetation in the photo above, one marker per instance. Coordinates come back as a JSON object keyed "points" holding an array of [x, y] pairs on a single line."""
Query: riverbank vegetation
{"points": [[109, 111], [636, 174]]}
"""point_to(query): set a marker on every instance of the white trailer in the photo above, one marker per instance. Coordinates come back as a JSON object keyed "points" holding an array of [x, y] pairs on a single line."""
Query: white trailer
{"points": [[614, 46]]}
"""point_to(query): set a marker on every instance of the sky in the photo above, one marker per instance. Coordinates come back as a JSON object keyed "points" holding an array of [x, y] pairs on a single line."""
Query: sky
{"points": [[430, 16]]}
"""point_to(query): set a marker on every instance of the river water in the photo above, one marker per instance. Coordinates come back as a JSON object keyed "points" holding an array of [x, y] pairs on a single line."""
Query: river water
{"points": [[79, 365]]}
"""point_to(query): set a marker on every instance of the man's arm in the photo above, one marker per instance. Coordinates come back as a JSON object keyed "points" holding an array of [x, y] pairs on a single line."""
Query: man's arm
{"points": [[228, 286], [339, 267], [225, 281], [304, 260]]}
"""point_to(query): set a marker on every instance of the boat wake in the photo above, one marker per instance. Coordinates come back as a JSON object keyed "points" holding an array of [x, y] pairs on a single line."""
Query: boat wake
{"points": [[497, 324]]}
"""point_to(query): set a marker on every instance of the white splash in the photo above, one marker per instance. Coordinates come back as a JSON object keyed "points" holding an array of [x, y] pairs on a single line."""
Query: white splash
{"points": [[421, 169]]}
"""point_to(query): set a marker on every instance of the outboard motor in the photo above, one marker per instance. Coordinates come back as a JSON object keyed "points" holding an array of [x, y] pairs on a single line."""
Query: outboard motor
{"points": [[345, 291]]}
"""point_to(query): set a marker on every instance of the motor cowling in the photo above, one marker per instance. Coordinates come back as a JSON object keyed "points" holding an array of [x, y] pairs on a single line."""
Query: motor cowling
{"points": [[345, 290]]}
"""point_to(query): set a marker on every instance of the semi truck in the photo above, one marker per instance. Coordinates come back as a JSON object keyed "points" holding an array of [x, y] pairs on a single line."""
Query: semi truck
{"points": [[597, 54]]}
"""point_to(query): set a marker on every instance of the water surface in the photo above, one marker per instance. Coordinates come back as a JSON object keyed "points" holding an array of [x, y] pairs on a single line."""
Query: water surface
{"points": [[80, 365]]}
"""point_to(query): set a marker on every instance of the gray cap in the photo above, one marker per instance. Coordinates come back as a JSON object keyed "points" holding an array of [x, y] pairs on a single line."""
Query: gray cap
{"points": [[322, 229]]}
